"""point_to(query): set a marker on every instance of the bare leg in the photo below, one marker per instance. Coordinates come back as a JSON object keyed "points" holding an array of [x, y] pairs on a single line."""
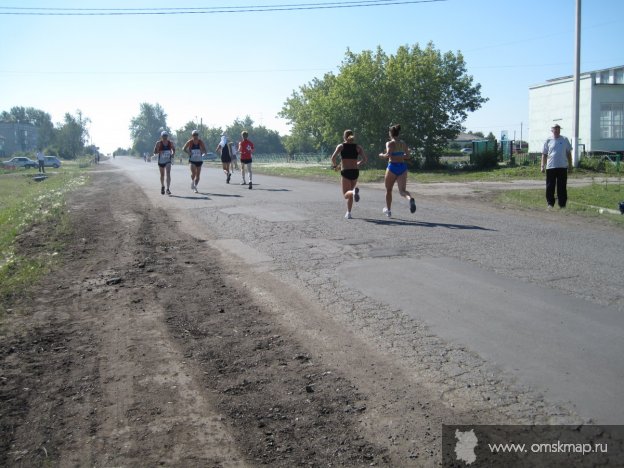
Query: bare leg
{"points": [[389, 181], [168, 168], [162, 175]]}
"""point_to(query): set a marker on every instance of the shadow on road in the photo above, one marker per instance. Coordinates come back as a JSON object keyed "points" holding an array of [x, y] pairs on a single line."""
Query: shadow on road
{"points": [[400, 222]]}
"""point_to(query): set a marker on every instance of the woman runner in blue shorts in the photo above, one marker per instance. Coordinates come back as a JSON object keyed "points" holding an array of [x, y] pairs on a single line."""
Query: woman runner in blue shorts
{"points": [[396, 153]]}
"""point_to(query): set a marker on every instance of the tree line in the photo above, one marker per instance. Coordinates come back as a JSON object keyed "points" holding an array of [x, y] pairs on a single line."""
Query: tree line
{"points": [[67, 139]]}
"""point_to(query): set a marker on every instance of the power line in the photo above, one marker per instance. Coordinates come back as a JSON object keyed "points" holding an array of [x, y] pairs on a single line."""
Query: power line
{"points": [[22, 11]]}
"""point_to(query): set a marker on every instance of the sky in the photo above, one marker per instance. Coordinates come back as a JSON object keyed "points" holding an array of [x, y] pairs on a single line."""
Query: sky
{"points": [[217, 67]]}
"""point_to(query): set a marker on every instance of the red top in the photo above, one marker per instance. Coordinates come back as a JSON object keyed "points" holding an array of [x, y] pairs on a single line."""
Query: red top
{"points": [[245, 148]]}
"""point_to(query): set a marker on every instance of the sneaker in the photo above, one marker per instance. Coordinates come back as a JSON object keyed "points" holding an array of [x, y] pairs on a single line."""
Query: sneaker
{"points": [[356, 194], [192, 185], [250, 185], [195, 189], [348, 215], [243, 183], [550, 207], [412, 205], [387, 212], [227, 180], [168, 192], [162, 190]]}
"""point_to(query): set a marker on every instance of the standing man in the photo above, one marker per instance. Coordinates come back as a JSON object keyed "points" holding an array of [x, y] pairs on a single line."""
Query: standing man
{"points": [[41, 161], [246, 149], [224, 150], [556, 159]]}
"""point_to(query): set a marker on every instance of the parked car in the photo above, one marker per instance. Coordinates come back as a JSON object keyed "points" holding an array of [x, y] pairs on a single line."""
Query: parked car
{"points": [[209, 157], [21, 161], [466, 151], [51, 161]]}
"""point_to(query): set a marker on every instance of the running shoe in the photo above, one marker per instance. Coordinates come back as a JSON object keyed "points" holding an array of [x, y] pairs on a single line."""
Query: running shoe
{"points": [[227, 180], [348, 215], [243, 183], [168, 192], [195, 189], [412, 205], [162, 190], [356, 194], [387, 212], [192, 185], [250, 185]]}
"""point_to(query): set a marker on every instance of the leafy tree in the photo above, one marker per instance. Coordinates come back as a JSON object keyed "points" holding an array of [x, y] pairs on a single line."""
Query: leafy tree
{"points": [[477, 134], [146, 127], [72, 135], [490, 136], [210, 135], [122, 151], [265, 141], [427, 92]]}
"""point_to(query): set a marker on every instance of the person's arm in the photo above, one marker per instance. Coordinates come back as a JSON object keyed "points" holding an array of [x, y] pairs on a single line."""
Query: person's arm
{"points": [[335, 155], [157, 148], [361, 152], [544, 156], [569, 156], [386, 155], [172, 149], [202, 146], [185, 148]]}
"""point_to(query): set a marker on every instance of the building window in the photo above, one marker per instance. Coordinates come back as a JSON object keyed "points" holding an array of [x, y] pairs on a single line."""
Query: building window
{"points": [[604, 77], [612, 121], [619, 76]]}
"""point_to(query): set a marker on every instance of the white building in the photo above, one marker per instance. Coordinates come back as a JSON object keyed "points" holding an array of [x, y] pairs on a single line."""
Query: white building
{"points": [[601, 110]]}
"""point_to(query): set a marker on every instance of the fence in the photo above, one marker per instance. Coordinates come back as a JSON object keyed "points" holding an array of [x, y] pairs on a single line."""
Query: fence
{"points": [[307, 158]]}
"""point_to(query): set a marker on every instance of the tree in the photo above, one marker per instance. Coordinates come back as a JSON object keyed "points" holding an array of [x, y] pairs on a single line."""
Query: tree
{"points": [[72, 135], [490, 136], [265, 141], [477, 134], [146, 127], [427, 92]]}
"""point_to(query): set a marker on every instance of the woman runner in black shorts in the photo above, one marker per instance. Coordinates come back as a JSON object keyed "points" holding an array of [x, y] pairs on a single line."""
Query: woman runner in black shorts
{"points": [[195, 148], [164, 151], [349, 152], [224, 150]]}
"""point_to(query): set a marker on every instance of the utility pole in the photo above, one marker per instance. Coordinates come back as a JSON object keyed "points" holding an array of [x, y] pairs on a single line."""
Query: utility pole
{"points": [[577, 86]]}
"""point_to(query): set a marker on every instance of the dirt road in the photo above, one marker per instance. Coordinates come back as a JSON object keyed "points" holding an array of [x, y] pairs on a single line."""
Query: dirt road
{"points": [[150, 347], [141, 350]]}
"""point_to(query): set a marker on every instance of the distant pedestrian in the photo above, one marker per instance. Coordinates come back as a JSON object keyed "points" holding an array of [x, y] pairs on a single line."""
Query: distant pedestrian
{"points": [[41, 161], [556, 160], [195, 148], [246, 149], [224, 150], [349, 152], [396, 153], [164, 150], [233, 155]]}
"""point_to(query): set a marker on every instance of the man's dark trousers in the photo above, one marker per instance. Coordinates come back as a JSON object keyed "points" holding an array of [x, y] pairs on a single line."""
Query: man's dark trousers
{"points": [[558, 178]]}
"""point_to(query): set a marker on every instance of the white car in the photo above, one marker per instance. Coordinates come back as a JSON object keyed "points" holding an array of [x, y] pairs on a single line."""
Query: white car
{"points": [[466, 151], [21, 161]]}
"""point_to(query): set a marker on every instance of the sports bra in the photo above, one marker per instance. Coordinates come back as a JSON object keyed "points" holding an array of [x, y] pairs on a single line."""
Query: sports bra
{"points": [[349, 151], [397, 153]]}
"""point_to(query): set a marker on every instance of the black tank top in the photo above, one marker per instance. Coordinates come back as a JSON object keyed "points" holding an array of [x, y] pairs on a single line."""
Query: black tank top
{"points": [[349, 151]]}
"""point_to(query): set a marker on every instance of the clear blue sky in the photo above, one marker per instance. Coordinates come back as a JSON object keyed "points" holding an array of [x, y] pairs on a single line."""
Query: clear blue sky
{"points": [[220, 66]]}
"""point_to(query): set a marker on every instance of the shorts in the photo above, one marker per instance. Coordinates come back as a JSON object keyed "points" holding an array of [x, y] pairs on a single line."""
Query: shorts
{"points": [[351, 174], [197, 163], [397, 168], [164, 164], [245, 161], [225, 158]]}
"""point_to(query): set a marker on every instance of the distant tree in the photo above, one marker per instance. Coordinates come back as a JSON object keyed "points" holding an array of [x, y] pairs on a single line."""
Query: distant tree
{"points": [[122, 151], [299, 143], [265, 141], [71, 135], [477, 134], [146, 127], [427, 92], [490, 136]]}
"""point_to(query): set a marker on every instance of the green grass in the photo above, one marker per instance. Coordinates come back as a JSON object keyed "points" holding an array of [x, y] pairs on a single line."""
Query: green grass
{"points": [[25, 203], [581, 200], [501, 174]]}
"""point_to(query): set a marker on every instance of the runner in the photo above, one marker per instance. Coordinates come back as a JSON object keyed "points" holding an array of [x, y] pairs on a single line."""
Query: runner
{"points": [[224, 150], [195, 148], [246, 149], [396, 153], [165, 151], [349, 152], [233, 156]]}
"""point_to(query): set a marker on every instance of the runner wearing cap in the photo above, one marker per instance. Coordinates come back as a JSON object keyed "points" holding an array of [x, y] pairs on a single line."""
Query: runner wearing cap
{"points": [[195, 148], [165, 151], [224, 150]]}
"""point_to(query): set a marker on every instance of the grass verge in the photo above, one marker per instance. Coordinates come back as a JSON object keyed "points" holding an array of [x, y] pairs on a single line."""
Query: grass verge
{"points": [[32, 219], [584, 201]]}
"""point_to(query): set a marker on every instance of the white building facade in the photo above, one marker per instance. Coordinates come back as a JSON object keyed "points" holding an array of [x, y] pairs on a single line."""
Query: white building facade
{"points": [[601, 110]]}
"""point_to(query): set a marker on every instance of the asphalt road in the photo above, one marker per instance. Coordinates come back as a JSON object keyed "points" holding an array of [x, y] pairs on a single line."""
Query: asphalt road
{"points": [[528, 308]]}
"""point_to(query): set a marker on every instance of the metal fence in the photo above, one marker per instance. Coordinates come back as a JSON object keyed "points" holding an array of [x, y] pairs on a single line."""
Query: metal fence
{"points": [[308, 158]]}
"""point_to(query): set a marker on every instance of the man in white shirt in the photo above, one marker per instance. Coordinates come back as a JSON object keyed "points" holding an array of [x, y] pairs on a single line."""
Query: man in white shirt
{"points": [[41, 161], [556, 159]]}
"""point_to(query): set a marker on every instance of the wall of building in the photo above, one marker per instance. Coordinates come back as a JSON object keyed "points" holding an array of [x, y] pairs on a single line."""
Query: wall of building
{"points": [[607, 93], [17, 137]]}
